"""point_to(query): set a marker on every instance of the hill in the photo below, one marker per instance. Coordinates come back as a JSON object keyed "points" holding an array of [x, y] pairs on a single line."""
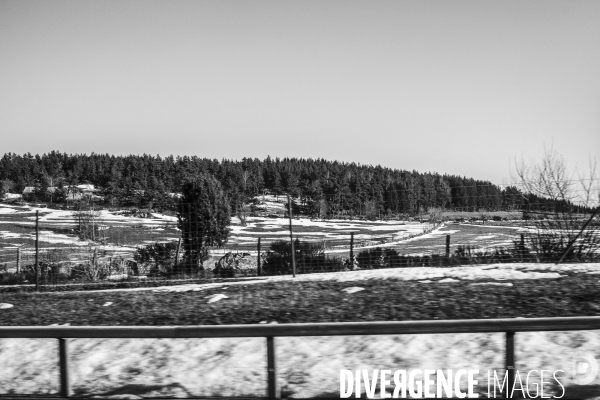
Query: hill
{"points": [[320, 187]]}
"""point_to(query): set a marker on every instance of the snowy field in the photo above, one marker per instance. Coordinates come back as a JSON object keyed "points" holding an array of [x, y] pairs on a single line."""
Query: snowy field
{"points": [[120, 234]]}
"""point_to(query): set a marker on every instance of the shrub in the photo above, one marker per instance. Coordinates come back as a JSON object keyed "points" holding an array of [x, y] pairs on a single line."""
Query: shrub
{"points": [[90, 271], [160, 256], [310, 257], [233, 265], [379, 258]]}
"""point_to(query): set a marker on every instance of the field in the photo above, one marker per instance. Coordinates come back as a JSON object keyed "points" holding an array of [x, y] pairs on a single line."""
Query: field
{"points": [[308, 366], [122, 231]]}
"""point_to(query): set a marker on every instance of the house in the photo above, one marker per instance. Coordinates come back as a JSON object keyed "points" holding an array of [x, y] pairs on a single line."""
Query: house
{"points": [[78, 192], [12, 196], [86, 188], [73, 193]]}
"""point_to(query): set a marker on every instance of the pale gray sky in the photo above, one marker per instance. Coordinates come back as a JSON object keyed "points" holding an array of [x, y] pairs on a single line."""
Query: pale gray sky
{"points": [[458, 87]]}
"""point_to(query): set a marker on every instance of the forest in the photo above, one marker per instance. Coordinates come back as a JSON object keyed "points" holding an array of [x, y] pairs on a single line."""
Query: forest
{"points": [[320, 187]]}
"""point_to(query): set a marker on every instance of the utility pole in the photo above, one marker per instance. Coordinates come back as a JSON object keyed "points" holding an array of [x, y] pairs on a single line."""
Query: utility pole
{"points": [[37, 249], [93, 227], [351, 247], [292, 237]]}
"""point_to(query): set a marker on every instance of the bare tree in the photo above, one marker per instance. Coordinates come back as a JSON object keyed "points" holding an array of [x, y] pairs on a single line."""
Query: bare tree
{"points": [[435, 215], [6, 185], [242, 211], [245, 177], [564, 218], [53, 180], [86, 218]]}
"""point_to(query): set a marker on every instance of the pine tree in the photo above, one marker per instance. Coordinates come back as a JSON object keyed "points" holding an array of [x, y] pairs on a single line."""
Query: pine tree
{"points": [[204, 217]]}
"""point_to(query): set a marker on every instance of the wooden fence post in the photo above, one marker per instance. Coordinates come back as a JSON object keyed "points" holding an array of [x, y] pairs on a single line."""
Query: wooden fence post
{"points": [[522, 247], [447, 246], [94, 257], [18, 259], [177, 252], [258, 271]]}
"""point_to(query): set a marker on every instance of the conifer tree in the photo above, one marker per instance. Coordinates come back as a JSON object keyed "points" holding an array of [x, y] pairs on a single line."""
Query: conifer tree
{"points": [[203, 215]]}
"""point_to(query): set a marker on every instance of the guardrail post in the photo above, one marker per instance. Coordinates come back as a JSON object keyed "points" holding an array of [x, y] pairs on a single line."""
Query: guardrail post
{"points": [[273, 387], [510, 363], [63, 360]]}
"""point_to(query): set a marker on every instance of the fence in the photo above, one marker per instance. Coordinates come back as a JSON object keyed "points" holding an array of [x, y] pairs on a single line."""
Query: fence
{"points": [[113, 254], [270, 332]]}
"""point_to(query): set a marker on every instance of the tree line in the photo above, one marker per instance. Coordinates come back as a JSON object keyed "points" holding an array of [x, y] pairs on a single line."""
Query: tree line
{"points": [[319, 187]]}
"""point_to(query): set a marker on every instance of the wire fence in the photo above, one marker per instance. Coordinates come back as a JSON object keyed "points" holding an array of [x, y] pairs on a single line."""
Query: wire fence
{"points": [[93, 248]]}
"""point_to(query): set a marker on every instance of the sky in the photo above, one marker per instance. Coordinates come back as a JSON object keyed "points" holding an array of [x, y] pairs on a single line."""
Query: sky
{"points": [[457, 87]]}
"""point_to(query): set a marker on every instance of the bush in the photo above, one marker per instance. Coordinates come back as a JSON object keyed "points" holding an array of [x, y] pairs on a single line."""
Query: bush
{"points": [[379, 258], [160, 256], [90, 271], [310, 257], [233, 265], [389, 258], [14, 278]]}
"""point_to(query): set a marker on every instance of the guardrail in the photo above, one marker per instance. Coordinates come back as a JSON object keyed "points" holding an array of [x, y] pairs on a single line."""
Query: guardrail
{"points": [[509, 326]]}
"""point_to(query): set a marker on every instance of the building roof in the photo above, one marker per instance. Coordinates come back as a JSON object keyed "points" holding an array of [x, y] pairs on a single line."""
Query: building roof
{"points": [[86, 187]]}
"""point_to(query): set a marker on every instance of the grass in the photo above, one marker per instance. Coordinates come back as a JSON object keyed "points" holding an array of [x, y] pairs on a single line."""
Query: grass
{"points": [[77, 286], [294, 302], [478, 214]]}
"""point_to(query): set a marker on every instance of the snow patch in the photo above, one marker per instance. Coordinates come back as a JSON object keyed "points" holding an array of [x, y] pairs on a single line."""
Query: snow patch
{"points": [[353, 289], [216, 297]]}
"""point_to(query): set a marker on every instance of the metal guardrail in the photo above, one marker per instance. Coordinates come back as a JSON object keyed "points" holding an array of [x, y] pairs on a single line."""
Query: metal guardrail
{"points": [[508, 326]]}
